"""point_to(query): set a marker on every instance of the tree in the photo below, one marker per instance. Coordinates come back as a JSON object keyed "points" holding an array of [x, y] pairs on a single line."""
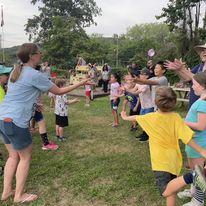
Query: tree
{"points": [[142, 37], [184, 17], [64, 42], [81, 12], [59, 28]]}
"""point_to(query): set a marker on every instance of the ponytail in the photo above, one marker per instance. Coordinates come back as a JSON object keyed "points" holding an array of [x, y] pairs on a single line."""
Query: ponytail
{"points": [[23, 54], [16, 72]]}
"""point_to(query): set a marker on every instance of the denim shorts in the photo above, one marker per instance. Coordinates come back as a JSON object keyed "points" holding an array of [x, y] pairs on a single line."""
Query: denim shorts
{"points": [[146, 111], [19, 138], [162, 179]]}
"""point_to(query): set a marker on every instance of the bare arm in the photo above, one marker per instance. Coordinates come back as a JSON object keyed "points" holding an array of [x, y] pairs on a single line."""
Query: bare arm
{"points": [[63, 90], [146, 81], [200, 125], [180, 69], [195, 146], [124, 104], [128, 118], [72, 101]]}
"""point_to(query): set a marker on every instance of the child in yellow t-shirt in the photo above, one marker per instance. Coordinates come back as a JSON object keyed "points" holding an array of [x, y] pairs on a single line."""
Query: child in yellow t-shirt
{"points": [[165, 128]]}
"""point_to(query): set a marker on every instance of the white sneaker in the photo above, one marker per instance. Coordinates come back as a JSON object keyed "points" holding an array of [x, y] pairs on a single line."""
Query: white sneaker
{"points": [[194, 202], [185, 194]]}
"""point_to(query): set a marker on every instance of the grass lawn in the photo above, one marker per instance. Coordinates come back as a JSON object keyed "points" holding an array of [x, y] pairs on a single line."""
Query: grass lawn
{"points": [[98, 165]]}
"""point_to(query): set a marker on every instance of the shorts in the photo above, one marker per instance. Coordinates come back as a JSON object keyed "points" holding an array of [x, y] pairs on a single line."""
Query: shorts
{"points": [[191, 153], [115, 104], [146, 111], [88, 93], [19, 138], [38, 116], [131, 112], [62, 121], [162, 179]]}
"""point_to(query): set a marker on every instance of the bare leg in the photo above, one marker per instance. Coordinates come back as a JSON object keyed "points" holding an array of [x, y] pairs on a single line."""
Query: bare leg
{"points": [[61, 131], [116, 120], [87, 100], [9, 171], [22, 173], [42, 126], [57, 130], [171, 200], [174, 186]]}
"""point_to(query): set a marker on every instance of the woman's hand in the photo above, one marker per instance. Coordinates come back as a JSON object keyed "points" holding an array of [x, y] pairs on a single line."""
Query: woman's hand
{"points": [[176, 65]]}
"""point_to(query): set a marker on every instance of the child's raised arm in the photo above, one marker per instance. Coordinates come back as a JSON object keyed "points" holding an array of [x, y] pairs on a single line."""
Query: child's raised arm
{"points": [[128, 118], [124, 104], [146, 81]]}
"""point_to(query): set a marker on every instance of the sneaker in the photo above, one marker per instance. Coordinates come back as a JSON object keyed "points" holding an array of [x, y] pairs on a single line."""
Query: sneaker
{"points": [[133, 129], [61, 139], [199, 178], [194, 202], [50, 146], [144, 137], [185, 194]]}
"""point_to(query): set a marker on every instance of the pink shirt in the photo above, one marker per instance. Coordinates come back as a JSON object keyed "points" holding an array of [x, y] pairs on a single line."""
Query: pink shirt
{"points": [[114, 90], [87, 87], [145, 96]]}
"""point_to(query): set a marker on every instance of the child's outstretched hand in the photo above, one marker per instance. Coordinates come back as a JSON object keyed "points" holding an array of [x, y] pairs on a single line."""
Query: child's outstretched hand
{"points": [[84, 81]]}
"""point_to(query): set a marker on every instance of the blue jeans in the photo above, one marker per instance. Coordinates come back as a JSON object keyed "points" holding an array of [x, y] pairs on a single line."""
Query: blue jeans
{"points": [[146, 111]]}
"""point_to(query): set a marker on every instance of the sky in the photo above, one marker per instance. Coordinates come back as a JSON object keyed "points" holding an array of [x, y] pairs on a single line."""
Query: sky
{"points": [[116, 17]]}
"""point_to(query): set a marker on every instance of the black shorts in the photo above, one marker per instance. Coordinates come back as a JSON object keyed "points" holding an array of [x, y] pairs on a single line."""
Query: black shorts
{"points": [[162, 179], [62, 121], [131, 112], [115, 104]]}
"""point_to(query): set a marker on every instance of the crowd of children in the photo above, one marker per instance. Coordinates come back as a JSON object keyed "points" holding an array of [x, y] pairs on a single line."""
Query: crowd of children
{"points": [[151, 103]]}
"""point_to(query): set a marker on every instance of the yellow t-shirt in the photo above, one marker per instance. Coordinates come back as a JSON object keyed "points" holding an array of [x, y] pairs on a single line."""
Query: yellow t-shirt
{"points": [[2, 93], [165, 130]]}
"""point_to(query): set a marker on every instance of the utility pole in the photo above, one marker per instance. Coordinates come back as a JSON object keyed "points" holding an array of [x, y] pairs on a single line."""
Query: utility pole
{"points": [[117, 49]]}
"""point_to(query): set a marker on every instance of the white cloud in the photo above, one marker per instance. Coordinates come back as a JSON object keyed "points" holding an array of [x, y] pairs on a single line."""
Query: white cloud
{"points": [[116, 17]]}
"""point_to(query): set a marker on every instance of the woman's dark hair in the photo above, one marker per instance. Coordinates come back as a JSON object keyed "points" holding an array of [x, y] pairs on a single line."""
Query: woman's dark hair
{"points": [[117, 77], [105, 68], [161, 63]]}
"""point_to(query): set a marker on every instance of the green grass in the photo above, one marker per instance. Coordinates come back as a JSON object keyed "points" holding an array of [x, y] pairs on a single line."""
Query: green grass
{"points": [[98, 165]]}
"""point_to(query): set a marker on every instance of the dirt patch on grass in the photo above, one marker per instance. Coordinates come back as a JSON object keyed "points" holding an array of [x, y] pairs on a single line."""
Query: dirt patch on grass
{"points": [[67, 198], [96, 147], [102, 181]]}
